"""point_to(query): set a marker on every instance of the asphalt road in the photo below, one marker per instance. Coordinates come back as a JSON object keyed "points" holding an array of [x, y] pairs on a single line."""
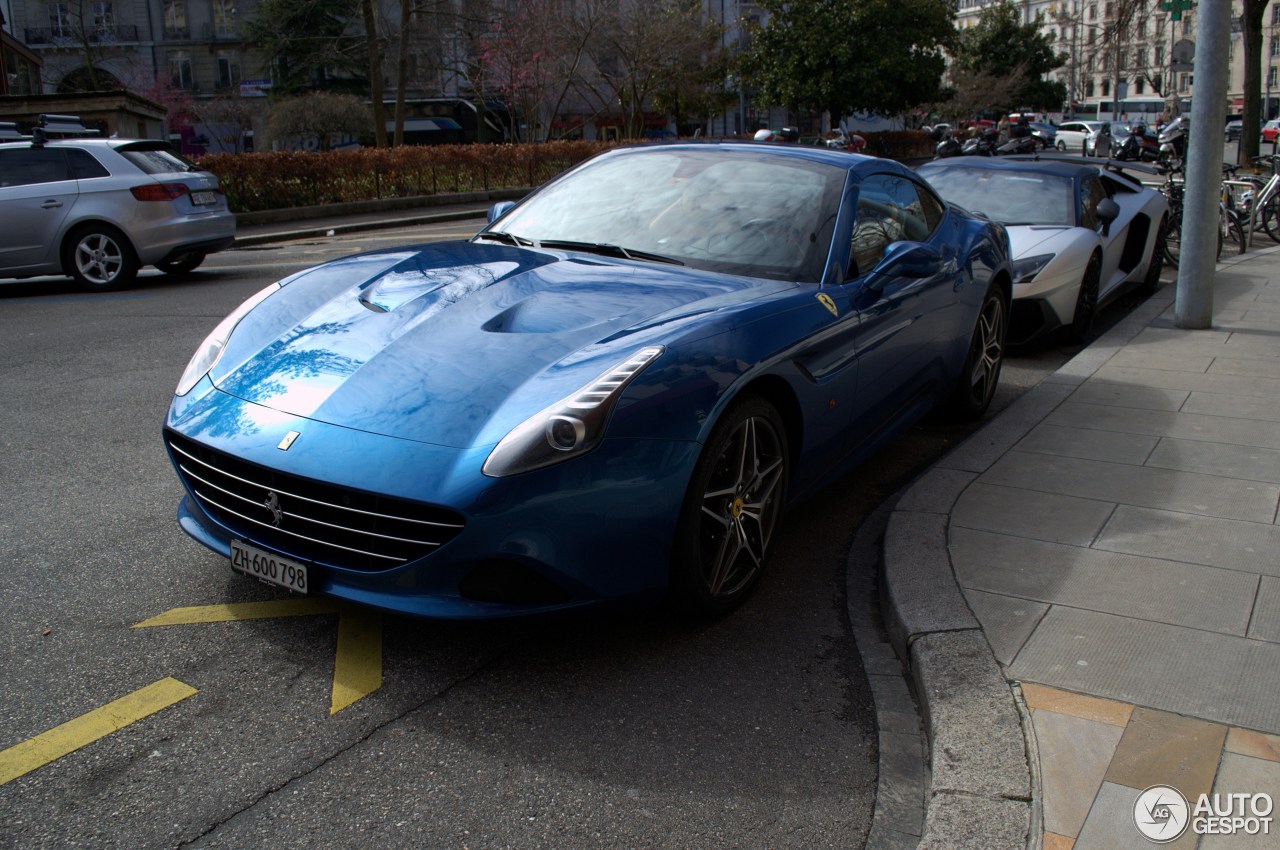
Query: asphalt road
{"points": [[628, 730]]}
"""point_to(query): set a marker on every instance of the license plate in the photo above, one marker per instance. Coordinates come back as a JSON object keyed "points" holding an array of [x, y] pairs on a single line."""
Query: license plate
{"points": [[267, 567], [203, 198]]}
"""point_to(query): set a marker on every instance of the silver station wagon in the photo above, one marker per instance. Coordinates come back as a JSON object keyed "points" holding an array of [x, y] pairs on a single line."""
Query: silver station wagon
{"points": [[100, 209]]}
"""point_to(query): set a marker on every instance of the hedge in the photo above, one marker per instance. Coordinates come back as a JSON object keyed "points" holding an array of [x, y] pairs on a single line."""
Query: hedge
{"points": [[271, 180], [283, 179]]}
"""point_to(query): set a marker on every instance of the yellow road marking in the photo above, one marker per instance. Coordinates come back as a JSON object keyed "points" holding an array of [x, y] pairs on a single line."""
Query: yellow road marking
{"points": [[357, 665], [233, 611], [49, 746]]}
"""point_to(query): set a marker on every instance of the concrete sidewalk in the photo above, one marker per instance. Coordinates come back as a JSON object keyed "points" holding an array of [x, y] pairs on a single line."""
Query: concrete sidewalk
{"points": [[1088, 589]]}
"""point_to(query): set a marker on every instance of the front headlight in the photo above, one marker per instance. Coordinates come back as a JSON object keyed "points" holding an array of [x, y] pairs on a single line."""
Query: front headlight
{"points": [[572, 426], [1026, 269], [209, 352]]}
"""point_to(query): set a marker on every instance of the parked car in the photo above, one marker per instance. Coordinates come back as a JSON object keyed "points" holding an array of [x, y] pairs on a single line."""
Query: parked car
{"points": [[1271, 130], [1234, 128], [99, 209], [1081, 234], [610, 392], [1078, 136]]}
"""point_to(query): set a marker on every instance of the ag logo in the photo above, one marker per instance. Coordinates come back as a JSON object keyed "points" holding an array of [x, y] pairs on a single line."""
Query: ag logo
{"points": [[1161, 813], [826, 301]]}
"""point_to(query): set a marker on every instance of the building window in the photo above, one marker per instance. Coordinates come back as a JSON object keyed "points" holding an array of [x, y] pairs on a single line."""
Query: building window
{"points": [[1093, 11], [175, 17], [1275, 46], [224, 18], [1271, 77], [1088, 89], [228, 71], [180, 69], [1106, 88], [60, 20], [1157, 82], [1160, 55], [104, 17], [1275, 15], [1140, 85]]}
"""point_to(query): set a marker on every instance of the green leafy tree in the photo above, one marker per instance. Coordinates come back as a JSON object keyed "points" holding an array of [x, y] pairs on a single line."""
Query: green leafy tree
{"points": [[304, 40], [842, 56], [1002, 46]]}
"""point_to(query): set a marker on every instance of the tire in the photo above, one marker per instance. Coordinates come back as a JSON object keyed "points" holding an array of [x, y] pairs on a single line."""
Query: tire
{"points": [[100, 258], [1235, 236], [731, 510], [978, 379], [1062, 146], [1086, 301], [1269, 218], [183, 264], [1151, 281], [1173, 242]]}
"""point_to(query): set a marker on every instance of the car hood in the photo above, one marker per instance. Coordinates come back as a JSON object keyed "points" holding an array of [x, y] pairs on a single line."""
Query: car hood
{"points": [[1029, 240], [454, 344]]}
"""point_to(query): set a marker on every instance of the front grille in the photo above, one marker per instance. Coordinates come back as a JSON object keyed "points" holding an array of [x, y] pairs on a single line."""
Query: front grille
{"points": [[310, 519]]}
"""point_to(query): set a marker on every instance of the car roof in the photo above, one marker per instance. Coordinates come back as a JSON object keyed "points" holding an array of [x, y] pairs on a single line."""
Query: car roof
{"points": [[830, 156], [1043, 166]]}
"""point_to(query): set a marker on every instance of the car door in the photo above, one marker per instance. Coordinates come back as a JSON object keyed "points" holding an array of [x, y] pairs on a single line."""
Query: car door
{"points": [[904, 318], [37, 191], [1092, 190]]}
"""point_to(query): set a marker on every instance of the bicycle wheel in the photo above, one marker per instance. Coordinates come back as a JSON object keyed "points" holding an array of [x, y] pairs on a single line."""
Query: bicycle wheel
{"points": [[1233, 234], [1173, 239], [1269, 218]]}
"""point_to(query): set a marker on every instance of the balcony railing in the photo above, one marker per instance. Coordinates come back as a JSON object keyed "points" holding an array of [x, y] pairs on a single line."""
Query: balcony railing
{"points": [[69, 37]]}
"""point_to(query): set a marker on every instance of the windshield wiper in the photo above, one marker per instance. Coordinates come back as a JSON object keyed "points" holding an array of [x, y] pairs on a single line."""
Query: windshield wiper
{"points": [[608, 250], [501, 236]]}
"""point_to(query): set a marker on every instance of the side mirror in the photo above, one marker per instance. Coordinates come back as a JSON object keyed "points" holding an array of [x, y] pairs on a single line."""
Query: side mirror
{"points": [[910, 260], [499, 209], [1108, 211]]}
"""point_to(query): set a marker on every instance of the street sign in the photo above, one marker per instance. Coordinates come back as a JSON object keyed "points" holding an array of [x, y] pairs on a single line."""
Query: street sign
{"points": [[1175, 8]]}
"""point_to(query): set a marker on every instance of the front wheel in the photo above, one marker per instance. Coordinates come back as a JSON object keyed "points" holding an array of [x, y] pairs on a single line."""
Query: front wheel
{"points": [[731, 510], [1062, 146], [1155, 266], [1086, 301], [981, 373], [100, 258]]}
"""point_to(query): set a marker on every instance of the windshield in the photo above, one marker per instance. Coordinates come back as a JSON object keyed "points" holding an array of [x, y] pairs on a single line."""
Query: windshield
{"points": [[1009, 197], [734, 211]]}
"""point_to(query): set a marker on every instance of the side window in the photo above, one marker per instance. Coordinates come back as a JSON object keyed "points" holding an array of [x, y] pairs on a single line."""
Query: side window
{"points": [[84, 166], [26, 166], [1091, 193], [890, 209]]}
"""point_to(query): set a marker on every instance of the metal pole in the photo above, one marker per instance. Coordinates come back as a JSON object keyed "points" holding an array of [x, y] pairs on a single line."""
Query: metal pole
{"points": [[1193, 307]]}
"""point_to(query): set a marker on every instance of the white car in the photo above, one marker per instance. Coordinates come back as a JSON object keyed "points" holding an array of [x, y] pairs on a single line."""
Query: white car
{"points": [[1079, 136], [1081, 233]]}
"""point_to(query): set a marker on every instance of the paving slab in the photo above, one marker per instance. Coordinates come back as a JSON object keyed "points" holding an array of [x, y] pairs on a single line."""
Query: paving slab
{"points": [[1265, 623], [1149, 487], [1246, 463], [1110, 825], [1230, 544], [1007, 621], [1151, 664], [1244, 775], [1074, 754], [1161, 591], [1209, 382], [1090, 444], [1027, 513], [1191, 426]]}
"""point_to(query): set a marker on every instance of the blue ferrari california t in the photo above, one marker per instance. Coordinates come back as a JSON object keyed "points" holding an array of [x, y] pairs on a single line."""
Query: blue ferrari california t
{"points": [[611, 392]]}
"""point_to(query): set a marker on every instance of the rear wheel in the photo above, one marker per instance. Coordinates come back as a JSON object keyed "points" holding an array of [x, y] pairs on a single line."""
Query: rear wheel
{"points": [[981, 373], [731, 510], [181, 264], [100, 258], [1062, 146]]}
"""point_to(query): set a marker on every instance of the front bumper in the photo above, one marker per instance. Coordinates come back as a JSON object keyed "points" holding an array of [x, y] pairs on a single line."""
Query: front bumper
{"points": [[596, 528]]}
